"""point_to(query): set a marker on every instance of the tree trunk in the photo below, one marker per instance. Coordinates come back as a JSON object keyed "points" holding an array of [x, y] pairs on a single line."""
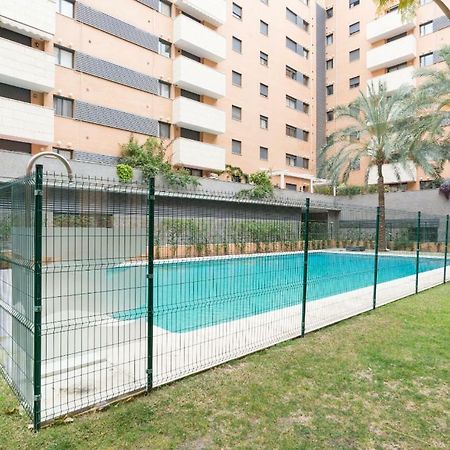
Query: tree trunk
{"points": [[382, 245], [444, 7]]}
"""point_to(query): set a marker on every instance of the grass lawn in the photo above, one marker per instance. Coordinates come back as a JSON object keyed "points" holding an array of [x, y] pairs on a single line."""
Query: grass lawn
{"points": [[377, 381]]}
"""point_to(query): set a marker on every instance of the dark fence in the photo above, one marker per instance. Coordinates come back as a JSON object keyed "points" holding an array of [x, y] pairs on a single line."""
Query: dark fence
{"points": [[109, 289]]}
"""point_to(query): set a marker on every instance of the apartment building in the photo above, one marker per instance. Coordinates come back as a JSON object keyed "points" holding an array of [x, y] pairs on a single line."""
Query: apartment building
{"points": [[363, 47], [247, 83]]}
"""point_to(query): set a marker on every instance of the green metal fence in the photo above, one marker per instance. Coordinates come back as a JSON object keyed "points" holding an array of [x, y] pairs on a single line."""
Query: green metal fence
{"points": [[109, 289]]}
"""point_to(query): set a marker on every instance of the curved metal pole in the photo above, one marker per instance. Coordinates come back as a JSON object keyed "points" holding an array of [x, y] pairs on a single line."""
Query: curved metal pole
{"points": [[51, 155]]}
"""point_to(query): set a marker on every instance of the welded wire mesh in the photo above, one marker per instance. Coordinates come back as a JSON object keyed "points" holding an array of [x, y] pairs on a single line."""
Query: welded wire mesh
{"points": [[140, 290], [93, 231], [17, 288]]}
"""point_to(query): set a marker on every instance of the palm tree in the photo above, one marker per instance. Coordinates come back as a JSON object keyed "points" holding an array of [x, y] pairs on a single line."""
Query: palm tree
{"points": [[435, 88], [409, 6], [382, 129]]}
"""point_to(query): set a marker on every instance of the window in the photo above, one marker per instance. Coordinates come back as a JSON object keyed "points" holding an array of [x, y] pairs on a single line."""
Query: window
{"points": [[236, 147], [66, 7], [426, 28], [330, 115], [425, 2], [237, 45], [291, 73], [165, 8], [263, 122], [291, 187], [263, 28], [290, 160], [329, 39], [64, 152], [236, 78], [291, 131], [64, 57], [356, 165], [396, 67], [353, 3], [264, 58], [297, 20], [354, 28], [354, 82], [236, 113], [63, 106], [397, 36], [263, 90], [195, 172], [291, 102], [291, 45], [329, 64], [330, 89], [190, 134], [237, 11], [191, 56], [354, 55], [191, 95], [164, 130], [263, 153], [298, 76], [426, 60], [164, 89], [329, 13], [164, 48], [297, 48]]}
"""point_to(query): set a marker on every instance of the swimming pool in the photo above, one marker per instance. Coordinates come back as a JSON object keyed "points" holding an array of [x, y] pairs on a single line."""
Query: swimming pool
{"points": [[197, 293]]}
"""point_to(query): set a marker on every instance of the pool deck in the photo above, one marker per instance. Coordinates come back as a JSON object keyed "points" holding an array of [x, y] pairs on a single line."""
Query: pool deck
{"points": [[119, 366]]}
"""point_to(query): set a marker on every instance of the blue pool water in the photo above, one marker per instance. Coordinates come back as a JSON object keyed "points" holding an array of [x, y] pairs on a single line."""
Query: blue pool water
{"points": [[198, 293]]}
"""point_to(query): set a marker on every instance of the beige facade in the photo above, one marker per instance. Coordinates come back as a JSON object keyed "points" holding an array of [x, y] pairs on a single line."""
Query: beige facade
{"points": [[227, 83], [386, 48]]}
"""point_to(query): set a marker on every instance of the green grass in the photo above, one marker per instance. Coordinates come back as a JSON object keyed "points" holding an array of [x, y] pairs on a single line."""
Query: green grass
{"points": [[377, 381]]}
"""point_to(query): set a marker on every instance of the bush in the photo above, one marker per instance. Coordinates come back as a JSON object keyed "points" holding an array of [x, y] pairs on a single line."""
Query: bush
{"points": [[262, 188], [151, 159], [125, 173]]}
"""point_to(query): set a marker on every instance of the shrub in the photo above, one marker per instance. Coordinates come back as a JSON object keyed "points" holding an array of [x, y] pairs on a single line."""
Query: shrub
{"points": [[151, 159], [262, 187], [125, 173]]}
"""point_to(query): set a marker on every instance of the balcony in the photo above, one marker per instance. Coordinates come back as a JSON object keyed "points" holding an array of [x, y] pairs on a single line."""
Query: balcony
{"points": [[394, 173], [392, 53], [387, 26], [195, 77], [198, 155], [212, 11], [195, 38], [198, 116], [26, 67], [34, 18], [394, 80], [25, 122]]}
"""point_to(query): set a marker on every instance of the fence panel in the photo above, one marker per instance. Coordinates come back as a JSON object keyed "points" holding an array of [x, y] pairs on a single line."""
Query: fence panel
{"points": [[94, 329], [342, 264], [433, 237], [228, 281], [400, 267], [17, 218]]}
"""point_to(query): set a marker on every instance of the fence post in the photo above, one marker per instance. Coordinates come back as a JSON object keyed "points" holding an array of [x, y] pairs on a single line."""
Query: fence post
{"points": [[150, 271], [377, 250], [37, 345], [446, 248], [305, 265], [419, 217]]}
